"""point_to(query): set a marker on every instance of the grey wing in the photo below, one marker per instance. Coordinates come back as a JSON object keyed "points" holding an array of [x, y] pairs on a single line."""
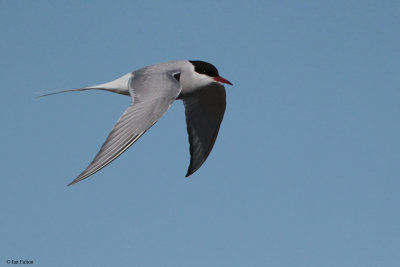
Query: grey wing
{"points": [[204, 113], [151, 98]]}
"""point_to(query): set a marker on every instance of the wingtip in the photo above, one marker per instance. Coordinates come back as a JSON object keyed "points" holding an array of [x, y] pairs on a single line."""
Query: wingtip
{"points": [[76, 180], [71, 183], [189, 172]]}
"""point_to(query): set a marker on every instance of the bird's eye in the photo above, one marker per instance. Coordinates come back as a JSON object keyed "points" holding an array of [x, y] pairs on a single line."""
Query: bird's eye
{"points": [[177, 76]]}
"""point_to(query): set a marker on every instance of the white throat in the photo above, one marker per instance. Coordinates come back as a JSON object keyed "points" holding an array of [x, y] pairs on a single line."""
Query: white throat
{"points": [[191, 81]]}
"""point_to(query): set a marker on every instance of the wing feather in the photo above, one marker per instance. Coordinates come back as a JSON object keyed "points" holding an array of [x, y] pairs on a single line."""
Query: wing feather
{"points": [[204, 113], [151, 98]]}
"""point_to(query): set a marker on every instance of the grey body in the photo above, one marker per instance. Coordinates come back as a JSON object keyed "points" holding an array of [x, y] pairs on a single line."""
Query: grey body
{"points": [[153, 89]]}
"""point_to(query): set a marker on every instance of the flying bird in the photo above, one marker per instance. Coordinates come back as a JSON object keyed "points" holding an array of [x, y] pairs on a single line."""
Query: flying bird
{"points": [[152, 90]]}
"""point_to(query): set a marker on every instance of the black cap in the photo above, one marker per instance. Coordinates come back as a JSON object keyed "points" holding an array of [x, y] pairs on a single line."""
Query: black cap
{"points": [[204, 68]]}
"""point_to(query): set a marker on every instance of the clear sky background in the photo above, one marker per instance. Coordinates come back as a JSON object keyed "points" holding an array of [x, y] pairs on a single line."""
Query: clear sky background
{"points": [[305, 170]]}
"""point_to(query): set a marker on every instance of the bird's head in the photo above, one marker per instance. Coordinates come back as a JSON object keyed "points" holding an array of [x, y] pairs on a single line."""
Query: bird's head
{"points": [[208, 72]]}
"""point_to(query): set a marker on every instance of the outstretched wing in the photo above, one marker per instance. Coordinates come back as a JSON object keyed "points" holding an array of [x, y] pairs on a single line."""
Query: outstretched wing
{"points": [[204, 113], [151, 98]]}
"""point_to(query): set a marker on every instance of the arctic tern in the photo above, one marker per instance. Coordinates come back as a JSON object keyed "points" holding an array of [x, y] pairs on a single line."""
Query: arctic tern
{"points": [[153, 89]]}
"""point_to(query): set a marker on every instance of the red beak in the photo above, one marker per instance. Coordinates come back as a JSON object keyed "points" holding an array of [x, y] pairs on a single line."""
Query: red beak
{"points": [[222, 80]]}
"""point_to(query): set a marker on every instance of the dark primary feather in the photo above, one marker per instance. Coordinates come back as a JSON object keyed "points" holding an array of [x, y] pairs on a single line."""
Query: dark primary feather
{"points": [[204, 111]]}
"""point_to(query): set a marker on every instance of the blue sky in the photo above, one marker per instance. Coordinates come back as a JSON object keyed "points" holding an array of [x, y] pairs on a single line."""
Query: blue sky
{"points": [[305, 171]]}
